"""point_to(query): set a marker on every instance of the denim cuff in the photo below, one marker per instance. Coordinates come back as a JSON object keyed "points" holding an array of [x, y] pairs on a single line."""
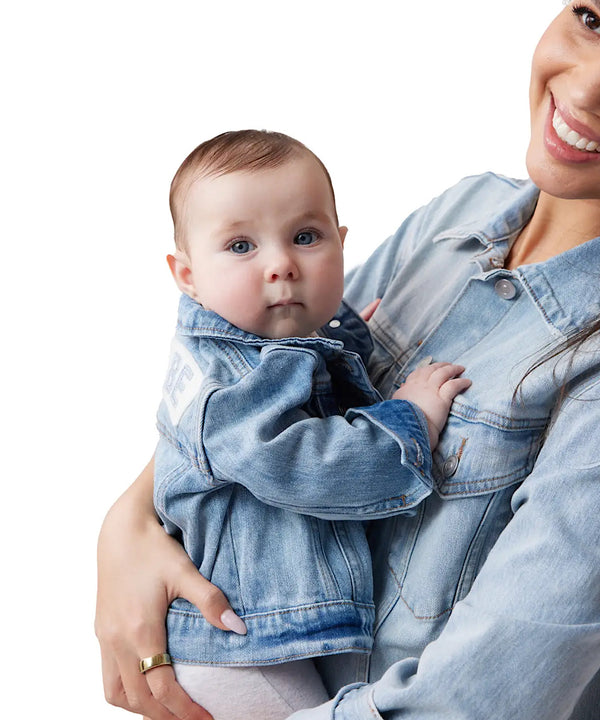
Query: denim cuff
{"points": [[348, 704], [353, 702], [406, 423]]}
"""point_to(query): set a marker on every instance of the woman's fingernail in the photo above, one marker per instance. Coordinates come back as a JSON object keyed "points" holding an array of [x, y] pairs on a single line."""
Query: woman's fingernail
{"points": [[233, 622]]}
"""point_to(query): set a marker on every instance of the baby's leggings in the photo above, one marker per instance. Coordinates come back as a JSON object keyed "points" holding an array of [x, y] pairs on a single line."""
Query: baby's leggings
{"points": [[270, 692]]}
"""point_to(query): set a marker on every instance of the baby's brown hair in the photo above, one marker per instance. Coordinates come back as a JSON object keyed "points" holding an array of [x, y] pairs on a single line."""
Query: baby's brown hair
{"points": [[248, 150]]}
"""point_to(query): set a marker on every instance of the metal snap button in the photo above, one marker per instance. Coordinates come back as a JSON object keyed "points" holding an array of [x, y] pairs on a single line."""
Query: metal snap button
{"points": [[450, 466], [505, 289], [334, 323]]}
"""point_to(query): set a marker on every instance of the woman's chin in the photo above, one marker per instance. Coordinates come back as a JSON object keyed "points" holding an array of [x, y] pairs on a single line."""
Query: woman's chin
{"points": [[568, 182]]}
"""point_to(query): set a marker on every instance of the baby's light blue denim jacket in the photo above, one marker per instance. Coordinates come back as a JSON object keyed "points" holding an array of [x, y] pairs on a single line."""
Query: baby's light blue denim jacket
{"points": [[488, 597], [271, 455]]}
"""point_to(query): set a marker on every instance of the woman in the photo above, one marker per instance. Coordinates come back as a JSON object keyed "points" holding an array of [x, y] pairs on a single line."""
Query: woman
{"points": [[488, 598]]}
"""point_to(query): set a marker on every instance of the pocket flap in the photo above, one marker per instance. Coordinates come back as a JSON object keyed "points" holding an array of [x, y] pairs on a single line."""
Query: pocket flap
{"points": [[480, 452]]}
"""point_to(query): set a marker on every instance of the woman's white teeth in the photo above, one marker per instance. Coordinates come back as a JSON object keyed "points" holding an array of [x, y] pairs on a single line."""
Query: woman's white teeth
{"points": [[571, 137]]}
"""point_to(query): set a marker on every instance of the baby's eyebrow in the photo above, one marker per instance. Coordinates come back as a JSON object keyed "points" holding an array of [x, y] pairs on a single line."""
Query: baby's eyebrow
{"points": [[232, 226], [314, 215]]}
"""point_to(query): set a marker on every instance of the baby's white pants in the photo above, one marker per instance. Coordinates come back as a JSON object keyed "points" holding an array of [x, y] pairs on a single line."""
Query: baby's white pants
{"points": [[270, 692]]}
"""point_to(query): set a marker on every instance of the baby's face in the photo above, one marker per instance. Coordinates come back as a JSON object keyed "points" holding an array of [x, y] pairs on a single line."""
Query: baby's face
{"points": [[264, 248]]}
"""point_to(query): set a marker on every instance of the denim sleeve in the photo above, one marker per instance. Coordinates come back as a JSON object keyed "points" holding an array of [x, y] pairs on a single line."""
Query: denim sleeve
{"points": [[525, 641], [372, 463], [370, 280]]}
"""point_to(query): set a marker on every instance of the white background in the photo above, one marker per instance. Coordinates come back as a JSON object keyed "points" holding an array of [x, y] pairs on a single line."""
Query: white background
{"points": [[101, 102]]}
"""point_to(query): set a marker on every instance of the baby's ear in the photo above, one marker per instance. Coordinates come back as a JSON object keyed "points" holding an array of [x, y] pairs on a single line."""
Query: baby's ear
{"points": [[181, 270], [343, 230]]}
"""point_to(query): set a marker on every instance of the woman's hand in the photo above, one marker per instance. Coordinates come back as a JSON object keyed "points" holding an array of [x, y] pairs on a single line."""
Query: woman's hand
{"points": [[140, 571], [367, 312]]}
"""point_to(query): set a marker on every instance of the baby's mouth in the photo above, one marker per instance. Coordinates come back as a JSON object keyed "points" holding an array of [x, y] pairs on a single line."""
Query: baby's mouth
{"points": [[284, 303]]}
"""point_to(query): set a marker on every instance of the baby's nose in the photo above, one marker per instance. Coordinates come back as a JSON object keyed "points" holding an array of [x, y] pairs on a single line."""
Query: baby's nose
{"points": [[281, 267]]}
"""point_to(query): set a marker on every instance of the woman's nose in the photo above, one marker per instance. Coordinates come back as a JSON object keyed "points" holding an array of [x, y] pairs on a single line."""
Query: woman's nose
{"points": [[585, 88]]}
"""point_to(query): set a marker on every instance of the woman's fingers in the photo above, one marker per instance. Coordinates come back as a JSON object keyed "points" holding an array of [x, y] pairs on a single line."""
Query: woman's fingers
{"points": [[141, 570], [169, 694], [367, 313], [113, 686], [208, 599], [155, 693], [159, 697], [138, 693], [138, 571], [124, 685]]}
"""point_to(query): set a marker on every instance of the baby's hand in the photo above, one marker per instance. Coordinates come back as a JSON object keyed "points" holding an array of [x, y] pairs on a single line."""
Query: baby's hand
{"points": [[433, 388]]}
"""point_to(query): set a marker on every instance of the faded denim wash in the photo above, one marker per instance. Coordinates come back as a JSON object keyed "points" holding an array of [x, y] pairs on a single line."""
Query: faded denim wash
{"points": [[271, 455], [488, 598]]}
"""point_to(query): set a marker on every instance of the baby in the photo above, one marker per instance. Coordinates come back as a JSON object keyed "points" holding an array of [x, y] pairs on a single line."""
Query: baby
{"points": [[274, 447]]}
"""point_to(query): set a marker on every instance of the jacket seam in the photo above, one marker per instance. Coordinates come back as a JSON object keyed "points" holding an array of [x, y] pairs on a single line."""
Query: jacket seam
{"points": [[285, 611], [172, 440], [274, 661], [496, 420]]}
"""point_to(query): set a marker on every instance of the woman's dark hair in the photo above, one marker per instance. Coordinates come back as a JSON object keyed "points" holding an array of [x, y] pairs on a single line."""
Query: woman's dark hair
{"points": [[572, 344]]}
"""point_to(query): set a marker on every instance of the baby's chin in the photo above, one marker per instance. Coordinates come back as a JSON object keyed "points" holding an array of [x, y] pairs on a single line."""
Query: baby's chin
{"points": [[283, 321], [285, 330], [280, 322]]}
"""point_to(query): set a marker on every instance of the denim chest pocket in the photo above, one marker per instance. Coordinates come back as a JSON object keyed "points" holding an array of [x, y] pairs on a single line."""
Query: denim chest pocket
{"points": [[481, 451], [435, 556]]}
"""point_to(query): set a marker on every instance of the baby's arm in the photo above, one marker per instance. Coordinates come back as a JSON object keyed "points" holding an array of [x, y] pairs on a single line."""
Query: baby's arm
{"points": [[433, 388], [374, 461]]}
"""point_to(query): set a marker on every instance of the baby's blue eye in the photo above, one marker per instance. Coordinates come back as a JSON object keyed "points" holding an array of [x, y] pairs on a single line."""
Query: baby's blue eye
{"points": [[307, 237], [241, 247]]}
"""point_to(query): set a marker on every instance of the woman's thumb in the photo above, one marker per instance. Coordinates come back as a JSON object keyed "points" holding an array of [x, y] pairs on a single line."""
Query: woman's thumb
{"points": [[210, 601]]}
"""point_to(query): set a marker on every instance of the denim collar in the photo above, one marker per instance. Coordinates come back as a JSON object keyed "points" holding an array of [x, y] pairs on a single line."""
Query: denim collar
{"points": [[565, 288], [195, 321], [505, 222]]}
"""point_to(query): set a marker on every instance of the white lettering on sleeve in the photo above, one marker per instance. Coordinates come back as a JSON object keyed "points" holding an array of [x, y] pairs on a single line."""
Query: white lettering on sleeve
{"points": [[183, 381]]}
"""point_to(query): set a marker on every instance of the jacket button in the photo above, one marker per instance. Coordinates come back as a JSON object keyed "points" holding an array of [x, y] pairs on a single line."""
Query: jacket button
{"points": [[334, 323], [505, 289], [450, 465]]}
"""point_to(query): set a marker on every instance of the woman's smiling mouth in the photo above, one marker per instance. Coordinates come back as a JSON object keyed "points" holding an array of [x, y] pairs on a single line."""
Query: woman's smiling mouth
{"points": [[572, 137], [567, 139]]}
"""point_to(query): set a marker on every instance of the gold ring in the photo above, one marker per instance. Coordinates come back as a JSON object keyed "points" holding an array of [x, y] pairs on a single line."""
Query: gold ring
{"points": [[154, 661]]}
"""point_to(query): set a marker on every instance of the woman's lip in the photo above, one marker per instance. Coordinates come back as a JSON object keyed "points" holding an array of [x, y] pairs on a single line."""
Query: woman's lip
{"points": [[574, 124], [561, 150]]}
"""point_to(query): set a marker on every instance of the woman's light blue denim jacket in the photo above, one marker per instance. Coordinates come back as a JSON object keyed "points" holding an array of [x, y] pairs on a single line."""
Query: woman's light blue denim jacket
{"points": [[266, 448], [488, 598]]}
